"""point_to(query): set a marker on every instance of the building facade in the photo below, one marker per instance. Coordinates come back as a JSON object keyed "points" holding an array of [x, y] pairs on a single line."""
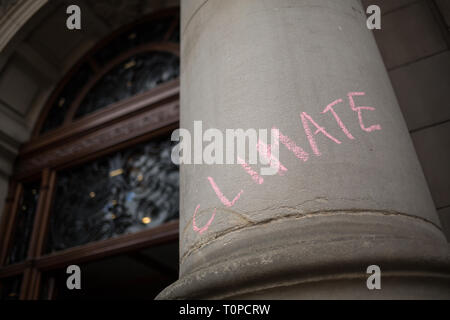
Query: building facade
{"points": [[365, 136]]}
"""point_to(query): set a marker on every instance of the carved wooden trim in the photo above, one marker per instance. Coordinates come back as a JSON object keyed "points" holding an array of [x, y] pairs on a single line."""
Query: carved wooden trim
{"points": [[114, 112], [126, 243], [84, 145]]}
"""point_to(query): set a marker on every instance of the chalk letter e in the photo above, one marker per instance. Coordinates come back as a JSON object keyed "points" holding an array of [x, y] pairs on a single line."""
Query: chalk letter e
{"points": [[74, 20], [374, 280], [74, 280]]}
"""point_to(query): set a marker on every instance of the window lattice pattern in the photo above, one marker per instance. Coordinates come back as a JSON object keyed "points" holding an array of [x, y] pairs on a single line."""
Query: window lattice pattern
{"points": [[58, 111], [126, 192], [135, 75]]}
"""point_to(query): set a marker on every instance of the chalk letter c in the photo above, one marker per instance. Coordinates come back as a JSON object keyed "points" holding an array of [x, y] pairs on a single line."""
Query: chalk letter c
{"points": [[203, 229]]}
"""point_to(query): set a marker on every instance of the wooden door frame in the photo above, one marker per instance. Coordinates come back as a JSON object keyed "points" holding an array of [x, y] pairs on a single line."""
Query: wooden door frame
{"points": [[115, 127], [161, 109]]}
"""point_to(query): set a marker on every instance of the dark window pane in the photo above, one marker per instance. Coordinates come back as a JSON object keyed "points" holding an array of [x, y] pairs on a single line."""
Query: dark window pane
{"points": [[24, 224], [146, 32], [126, 192], [11, 288], [47, 289], [57, 113], [175, 36], [135, 75], [152, 31], [141, 274]]}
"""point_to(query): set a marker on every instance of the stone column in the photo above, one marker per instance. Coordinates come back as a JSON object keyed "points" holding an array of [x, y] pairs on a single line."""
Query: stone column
{"points": [[355, 197]]}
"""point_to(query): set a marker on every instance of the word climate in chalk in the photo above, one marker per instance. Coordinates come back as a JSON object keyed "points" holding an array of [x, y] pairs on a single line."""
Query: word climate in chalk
{"points": [[214, 152], [269, 152]]}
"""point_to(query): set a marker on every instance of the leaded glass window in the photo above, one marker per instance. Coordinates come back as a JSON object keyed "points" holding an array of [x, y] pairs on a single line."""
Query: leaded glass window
{"points": [[94, 179], [137, 74], [151, 32], [58, 111], [111, 73], [125, 192]]}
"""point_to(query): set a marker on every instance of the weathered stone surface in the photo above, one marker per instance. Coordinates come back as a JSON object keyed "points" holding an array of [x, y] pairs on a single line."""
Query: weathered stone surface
{"points": [[253, 64], [278, 259], [422, 90], [444, 215], [433, 148], [408, 35]]}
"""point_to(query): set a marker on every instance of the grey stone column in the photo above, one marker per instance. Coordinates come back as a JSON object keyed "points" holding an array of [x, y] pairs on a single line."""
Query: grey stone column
{"points": [[359, 199]]}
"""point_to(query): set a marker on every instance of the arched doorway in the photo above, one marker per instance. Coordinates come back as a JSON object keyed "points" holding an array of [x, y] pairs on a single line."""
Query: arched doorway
{"points": [[95, 185]]}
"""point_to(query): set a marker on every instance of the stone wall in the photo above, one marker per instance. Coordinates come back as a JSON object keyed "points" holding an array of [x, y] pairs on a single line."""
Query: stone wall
{"points": [[415, 44]]}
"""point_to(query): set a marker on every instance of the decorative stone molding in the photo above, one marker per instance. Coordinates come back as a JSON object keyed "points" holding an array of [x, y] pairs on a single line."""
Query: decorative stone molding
{"points": [[5, 5], [14, 14]]}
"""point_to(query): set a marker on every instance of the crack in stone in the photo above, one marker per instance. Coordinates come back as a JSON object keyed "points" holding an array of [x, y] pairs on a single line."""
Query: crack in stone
{"points": [[192, 17], [226, 210], [250, 224], [286, 207]]}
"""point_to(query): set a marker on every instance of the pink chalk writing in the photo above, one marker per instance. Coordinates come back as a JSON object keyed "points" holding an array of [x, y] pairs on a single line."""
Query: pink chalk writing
{"points": [[203, 229], [299, 152], [338, 119], [359, 110], [220, 195], [265, 150], [255, 176], [305, 118]]}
